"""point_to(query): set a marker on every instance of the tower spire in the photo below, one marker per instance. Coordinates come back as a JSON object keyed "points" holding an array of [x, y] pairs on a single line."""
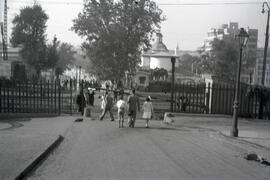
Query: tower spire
{"points": [[177, 51]]}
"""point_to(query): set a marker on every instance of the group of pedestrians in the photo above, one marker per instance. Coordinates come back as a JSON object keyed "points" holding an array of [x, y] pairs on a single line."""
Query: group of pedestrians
{"points": [[129, 107], [85, 99]]}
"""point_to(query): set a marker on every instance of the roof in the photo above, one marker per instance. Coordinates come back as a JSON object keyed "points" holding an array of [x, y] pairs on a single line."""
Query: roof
{"points": [[158, 44], [159, 54]]}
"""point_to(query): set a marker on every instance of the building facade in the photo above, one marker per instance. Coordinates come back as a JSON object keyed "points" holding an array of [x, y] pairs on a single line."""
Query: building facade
{"points": [[14, 66], [259, 68]]}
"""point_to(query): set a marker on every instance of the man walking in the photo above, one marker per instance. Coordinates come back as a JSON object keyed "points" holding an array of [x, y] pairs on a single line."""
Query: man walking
{"points": [[108, 106], [134, 103]]}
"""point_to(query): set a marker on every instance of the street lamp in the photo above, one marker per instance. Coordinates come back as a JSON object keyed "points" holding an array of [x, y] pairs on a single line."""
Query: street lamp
{"points": [[243, 39], [266, 40], [264, 55], [173, 59]]}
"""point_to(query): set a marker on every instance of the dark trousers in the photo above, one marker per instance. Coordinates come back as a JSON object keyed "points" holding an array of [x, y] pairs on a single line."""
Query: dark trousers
{"points": [[105, 110]]}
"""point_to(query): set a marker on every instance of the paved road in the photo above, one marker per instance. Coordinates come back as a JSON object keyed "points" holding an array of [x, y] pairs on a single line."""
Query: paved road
{"points": [[100, 150]]}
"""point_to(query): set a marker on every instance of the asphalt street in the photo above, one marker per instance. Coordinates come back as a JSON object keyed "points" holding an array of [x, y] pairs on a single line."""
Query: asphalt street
{"points": [[95, 149]]}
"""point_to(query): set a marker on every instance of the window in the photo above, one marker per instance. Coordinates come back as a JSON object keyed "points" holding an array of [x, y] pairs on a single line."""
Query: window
{"points": [[142, 79]]}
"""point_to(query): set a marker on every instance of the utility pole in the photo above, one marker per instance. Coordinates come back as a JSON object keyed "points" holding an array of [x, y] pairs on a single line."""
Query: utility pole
{"points": [[5, 23], [264, 57]]}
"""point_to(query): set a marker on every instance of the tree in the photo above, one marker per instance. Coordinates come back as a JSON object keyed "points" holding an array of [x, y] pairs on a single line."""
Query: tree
{"points": [[116, 32], [66, 57], [222, 60], [52, 54], [189, 64], [29, 31]]}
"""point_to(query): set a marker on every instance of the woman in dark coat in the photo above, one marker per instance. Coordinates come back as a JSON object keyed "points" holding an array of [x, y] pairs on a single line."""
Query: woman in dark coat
{"points": [[81, 101], [91, 97]]}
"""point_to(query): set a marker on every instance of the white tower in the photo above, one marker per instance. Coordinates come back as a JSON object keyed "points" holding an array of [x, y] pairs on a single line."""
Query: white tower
{"points": [[177, 50]]}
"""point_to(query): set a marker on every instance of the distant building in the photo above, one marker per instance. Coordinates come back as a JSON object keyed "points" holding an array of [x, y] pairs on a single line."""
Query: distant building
{"points": [[14, 66], [159, 56], [230, 30], [259, 68]]}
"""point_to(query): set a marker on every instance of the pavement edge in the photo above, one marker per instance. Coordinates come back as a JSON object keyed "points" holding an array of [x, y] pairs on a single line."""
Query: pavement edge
{"points": [[38, 161]]}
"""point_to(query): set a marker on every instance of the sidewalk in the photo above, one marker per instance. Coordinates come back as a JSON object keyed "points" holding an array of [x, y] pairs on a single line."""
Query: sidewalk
{"points": [[23, 139], [251, 130]]}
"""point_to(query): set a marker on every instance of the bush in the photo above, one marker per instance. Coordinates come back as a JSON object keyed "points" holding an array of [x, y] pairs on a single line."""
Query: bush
{"points": [[159, 86]]}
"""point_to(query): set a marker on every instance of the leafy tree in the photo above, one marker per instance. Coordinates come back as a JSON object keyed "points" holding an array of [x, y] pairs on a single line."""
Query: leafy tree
{"points": [[29, 31], [188, 64], [52, 54], [115, 33], [222, 60], [66, 57]]}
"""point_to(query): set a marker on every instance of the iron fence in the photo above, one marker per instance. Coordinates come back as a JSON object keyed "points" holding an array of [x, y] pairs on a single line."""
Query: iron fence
{"points": [[218, 99]]}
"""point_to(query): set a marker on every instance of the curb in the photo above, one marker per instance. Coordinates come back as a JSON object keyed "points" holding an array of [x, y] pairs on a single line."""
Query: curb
{"points": [[38, 161], [170, 121], [198, 115], [6, 116]]}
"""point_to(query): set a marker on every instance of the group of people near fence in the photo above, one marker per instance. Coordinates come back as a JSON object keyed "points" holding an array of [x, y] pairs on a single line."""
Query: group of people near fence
{"points": [[84, 99], [128, 108]]}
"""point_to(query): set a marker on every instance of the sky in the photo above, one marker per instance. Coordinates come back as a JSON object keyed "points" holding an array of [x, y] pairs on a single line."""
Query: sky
{"points": [[187, 21]]}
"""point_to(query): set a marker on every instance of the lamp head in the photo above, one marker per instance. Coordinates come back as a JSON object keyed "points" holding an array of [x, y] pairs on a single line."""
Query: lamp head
{"points": [[263, 11], [243, 37], [263, 7]]}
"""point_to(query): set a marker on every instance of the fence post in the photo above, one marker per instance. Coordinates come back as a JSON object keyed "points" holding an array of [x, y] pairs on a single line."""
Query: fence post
{"points": [[59, 97], [208, 99], [1, 81], [55, 95], [34, 96], [41, 97], [26, 96], [13, 95], [48, 96], [71, 98]]}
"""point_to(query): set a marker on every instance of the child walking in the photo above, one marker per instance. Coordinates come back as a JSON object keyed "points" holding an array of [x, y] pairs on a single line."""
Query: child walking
{"points": [[148, 110], [122, 106]]}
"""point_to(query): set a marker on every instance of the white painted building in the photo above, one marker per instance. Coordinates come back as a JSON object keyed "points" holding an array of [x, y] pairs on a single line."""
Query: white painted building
{"points": [[159, 56]]}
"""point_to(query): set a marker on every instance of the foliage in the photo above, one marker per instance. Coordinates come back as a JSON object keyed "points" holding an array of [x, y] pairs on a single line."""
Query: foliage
{"points": [[159, 86], [188, 63], [222, 60], [52, 54], [159, 73], [29, 31], [115, 33], [66, 57]]}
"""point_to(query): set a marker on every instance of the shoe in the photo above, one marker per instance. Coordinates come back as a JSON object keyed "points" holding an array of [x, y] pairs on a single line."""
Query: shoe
{"points": [[146, 126]]}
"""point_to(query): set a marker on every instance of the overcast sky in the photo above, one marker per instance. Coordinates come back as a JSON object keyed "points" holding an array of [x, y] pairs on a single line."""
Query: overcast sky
{"points": [[187, 21]]}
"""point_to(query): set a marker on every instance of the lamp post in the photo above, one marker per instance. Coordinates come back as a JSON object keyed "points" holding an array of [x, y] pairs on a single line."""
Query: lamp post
{"points": [[80, 71], [243, 39], [264, 55], [76, 77], [172, 83]]}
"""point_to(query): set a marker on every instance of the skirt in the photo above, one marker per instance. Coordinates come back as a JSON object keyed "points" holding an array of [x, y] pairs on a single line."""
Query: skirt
{"points": [[146, 115]]}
